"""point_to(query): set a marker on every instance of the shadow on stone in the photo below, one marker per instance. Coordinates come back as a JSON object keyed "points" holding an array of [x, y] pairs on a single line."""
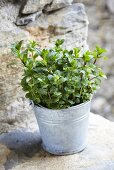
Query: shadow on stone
{"points": [[22, 142]]}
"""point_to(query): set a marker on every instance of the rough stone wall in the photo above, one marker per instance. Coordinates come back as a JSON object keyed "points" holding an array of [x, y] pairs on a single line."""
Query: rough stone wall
{"points": [[67, 21]]}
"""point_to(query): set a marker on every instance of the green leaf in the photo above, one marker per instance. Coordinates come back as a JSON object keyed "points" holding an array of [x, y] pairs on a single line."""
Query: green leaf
{"points": [[59, 42], [28, 95], [50, 77], [76, 52], [19, 45], [100, 50], [87, 56], [40, 80]]}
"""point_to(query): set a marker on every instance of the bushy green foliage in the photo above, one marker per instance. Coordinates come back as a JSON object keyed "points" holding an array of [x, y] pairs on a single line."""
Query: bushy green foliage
{"points": [[59, 78]]}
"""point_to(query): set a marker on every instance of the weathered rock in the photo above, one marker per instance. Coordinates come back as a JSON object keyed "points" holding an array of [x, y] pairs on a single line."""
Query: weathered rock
{"points": [[100, 104], [27, 19], [87, 2], [9, 32], [57, 4], [4, 152], [92, 3], [110, 5], [16, 1], [33, 6], [16, 113], [71, 25], [99, 154], [23, 141], [106, 165], [12, 108], [2, 3], [108, 89]]}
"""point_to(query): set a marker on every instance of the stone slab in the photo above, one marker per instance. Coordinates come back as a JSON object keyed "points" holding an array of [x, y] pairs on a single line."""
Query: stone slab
{"points": [[27, 153]]}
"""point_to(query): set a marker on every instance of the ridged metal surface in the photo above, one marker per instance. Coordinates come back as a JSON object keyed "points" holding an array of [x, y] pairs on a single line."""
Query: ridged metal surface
{"points": [[63, 131]]}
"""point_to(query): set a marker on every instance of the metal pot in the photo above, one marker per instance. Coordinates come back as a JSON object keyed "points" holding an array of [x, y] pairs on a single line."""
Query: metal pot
{"points": [[63, 131]]}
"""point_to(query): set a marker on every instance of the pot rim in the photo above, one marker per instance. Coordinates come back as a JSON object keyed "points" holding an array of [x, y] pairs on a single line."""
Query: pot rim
{"points": [[69, 108]]}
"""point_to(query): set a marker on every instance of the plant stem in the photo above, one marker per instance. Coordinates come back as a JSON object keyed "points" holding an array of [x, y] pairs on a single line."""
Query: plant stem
{"points": [[49, 98], [93, 78], [95, 61]]}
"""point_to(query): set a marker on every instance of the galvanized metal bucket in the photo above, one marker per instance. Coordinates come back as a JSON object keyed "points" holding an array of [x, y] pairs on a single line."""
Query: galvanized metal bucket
{"points": [[63, 131]]}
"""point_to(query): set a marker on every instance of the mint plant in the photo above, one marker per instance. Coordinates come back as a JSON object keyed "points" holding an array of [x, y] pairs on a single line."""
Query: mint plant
{"points": [[58, 78]]}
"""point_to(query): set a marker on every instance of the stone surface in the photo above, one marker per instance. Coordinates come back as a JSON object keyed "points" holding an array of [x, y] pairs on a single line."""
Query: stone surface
{"points": [[12, 108], [4, 152], [57, 4], [17, 113], [71, 25], [2, 3], [100, 105], [33, 6], [45, 6], [110, 5], [26, 152], [106, 165], [9, 32], [20, 21]]}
